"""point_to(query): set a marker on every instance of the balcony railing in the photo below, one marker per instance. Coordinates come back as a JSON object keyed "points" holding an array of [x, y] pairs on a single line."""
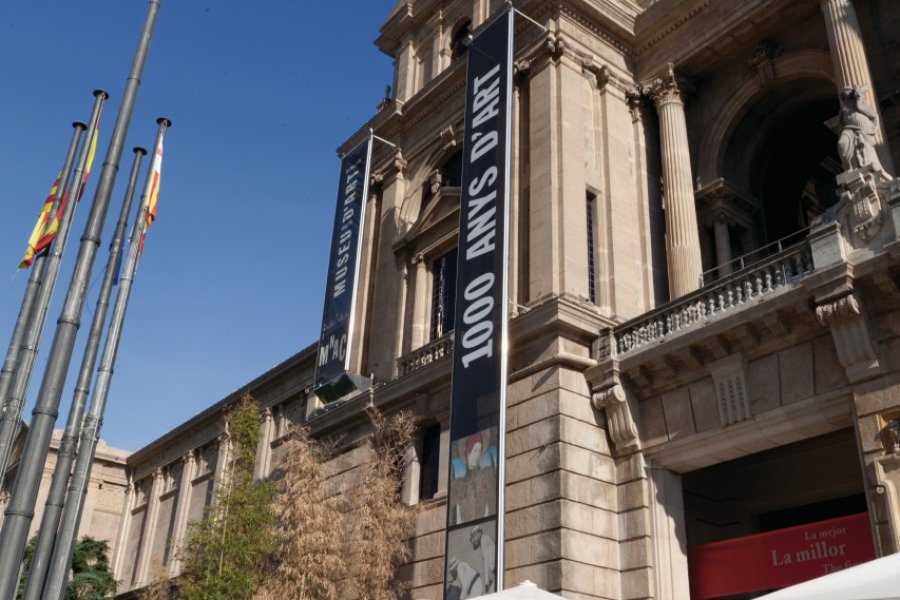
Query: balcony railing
{"points": [[729, 293], [427, 354]]}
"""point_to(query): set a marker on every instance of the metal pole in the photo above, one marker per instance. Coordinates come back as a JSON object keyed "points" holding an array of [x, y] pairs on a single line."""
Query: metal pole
{"points": [[90, 432], [20, 511], [12, 412], [66, 455]]}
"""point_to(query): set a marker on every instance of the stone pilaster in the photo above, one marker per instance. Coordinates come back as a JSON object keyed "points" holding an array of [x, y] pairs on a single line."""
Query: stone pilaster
{"points": [[124, 527], [223, 456], [366, 273], [405, 82], [682, 241], [851, 66], [182, 508], [668, 530], [386, 308], [146, 544]]}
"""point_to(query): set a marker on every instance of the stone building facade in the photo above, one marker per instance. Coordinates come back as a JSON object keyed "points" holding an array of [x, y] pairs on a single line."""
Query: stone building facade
{"points": [[105, 493], [705, 303]]}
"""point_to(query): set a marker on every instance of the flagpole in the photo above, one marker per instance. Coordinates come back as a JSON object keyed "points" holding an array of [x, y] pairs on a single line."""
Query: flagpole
{"points": [[11, 414], [66, 454], [20, 511], [90, 432], [52, 258]]}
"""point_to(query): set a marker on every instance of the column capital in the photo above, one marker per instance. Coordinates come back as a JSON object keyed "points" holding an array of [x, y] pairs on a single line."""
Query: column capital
{"points": [[265, 415], [157, 474], [668, 87], [188, 458]]}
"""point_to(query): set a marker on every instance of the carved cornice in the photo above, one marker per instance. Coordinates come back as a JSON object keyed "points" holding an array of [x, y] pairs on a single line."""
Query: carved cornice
{"points": [[582, 19], [680, 20]]}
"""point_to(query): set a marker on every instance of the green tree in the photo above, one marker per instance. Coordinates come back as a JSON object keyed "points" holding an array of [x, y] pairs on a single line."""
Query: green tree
{"points": [[225, 552], [91, 576]]}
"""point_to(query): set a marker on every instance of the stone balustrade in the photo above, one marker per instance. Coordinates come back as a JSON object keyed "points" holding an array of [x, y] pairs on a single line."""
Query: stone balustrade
{"points": [[729, 294], [427, 354]]}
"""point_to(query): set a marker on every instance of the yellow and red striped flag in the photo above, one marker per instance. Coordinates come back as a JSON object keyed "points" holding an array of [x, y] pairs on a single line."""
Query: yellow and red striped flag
{"points": [[156, 170], [45, 231], [39, 227]]}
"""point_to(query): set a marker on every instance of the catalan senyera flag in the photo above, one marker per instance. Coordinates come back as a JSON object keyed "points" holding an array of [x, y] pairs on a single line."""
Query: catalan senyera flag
{"points": [[39, 227], [155, 170], [45, 229]]}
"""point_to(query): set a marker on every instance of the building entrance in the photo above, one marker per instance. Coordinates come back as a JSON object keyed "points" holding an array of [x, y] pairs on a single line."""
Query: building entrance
{"points": [[776, 518]]}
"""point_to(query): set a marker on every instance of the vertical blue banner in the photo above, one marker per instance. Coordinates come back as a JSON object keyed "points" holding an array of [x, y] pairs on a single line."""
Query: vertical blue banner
{"points": [[474, 547], [337, 336]]}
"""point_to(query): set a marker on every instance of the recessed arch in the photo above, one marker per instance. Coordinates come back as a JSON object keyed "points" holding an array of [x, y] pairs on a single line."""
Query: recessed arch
{"points": [[737, 100]]}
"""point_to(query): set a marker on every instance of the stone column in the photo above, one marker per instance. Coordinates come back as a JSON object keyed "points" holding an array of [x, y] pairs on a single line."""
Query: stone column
{"points": [[851, 66], [420, 304], [146, 543], [682, 240], [182, 508], [412, 473], [264, 450], [723, 247], [401, 312]]}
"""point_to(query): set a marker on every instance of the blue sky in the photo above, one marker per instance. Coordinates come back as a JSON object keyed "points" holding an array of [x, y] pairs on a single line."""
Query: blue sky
{"points": [[231, 281]]}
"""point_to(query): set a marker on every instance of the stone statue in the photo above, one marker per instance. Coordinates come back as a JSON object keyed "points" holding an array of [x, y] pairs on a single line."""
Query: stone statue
{"points": [[864, 187], [856, 143]]}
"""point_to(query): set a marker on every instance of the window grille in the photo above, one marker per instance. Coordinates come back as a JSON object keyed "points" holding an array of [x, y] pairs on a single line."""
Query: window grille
{"points": [[591, 250], [443, 295]]}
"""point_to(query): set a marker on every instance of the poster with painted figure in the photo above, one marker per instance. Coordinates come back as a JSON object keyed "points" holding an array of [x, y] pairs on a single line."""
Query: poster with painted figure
{"points": [[471, 564], [473, 473]]}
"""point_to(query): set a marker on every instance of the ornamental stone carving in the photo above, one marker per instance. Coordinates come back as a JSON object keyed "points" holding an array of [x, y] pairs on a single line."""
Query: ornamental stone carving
{"points": [[667, 88], [850, 331], [763, 62], [865, 188], [621, 426]]}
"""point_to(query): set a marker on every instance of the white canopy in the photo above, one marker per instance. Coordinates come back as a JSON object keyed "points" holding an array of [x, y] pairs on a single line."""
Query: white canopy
{"points": [[874, 580], [524, 591]]}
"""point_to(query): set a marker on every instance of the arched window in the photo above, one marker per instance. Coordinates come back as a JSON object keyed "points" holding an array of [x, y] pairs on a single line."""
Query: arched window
{"points": [[459, 43]]}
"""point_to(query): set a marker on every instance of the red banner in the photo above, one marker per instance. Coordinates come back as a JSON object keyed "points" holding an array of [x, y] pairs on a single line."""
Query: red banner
{"points": [[777, 559]]}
